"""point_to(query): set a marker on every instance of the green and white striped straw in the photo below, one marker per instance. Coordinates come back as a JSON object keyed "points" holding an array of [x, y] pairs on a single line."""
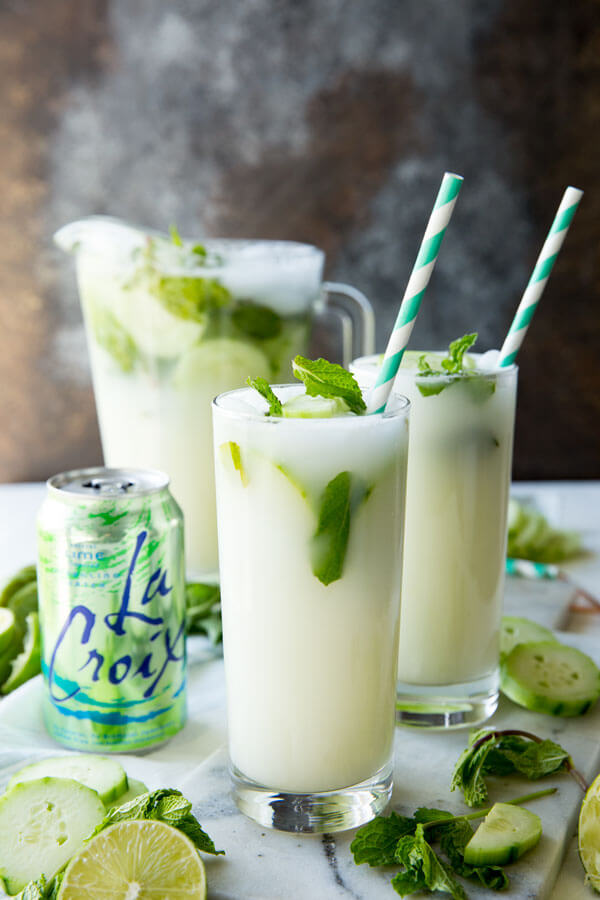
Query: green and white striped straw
{"points": [[539, 276], [417, 283]]}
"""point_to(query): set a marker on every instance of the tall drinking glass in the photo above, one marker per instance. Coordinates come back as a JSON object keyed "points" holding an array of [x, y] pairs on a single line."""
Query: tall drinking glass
{"points": [[171, 324], [310, 515], [459, 467]]}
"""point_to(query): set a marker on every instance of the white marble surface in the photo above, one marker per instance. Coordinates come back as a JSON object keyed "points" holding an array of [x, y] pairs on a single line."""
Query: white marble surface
{"points": [[264, 865]]}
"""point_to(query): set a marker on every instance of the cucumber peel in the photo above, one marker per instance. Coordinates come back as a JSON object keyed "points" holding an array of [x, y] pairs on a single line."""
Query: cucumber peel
{"points": [[28, 663], [506, 833], [106, 777], [549, 677]]}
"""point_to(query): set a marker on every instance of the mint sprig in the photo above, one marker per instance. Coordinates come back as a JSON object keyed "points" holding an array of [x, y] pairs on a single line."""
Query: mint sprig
{"points": [[264, 389], [408, 841], [481, 387], [503, 753], [324, 379]]}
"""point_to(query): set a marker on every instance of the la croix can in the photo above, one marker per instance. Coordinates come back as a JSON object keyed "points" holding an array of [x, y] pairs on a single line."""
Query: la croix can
{"points": [[111, 583]]}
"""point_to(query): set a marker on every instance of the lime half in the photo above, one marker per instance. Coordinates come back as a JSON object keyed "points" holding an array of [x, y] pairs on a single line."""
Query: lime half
{"points": [[589, 834], [136, 860]]}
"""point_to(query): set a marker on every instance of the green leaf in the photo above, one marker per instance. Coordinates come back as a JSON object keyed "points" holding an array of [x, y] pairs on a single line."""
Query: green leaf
{"points": [[468, 772], [264, 389], [427, 870], [203, 610], [453, 364], [324, 379], [113, 338], [189, 297], [166, 805], [375, 843], [430, 390], [253, 320], [340, 499], [502, 754], [175, 236], [454, 838], [200, 250]]}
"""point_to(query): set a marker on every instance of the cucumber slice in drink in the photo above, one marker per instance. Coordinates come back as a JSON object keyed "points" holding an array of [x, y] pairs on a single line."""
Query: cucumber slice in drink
{"points": [[105, 776], [28, 663], [549, 677], [135, 789], [305, 407], [7, 628], [515, 630], [136, 858], [589, 834], [23, 577], [506, 833], [219, 365], [42, 824]]}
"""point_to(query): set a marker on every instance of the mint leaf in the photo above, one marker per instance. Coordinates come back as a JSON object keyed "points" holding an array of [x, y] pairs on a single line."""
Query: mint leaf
{"points": [[203, 610], [468, 772], [501, 753], [189, 297], [200, 250], [375, 843], [113, 338], [255, 321], [166, 805], [453, 364], [430, 390], [324, 379], [328, 546], [264, 389], [424, 868], [453, 839], [175, 236]]}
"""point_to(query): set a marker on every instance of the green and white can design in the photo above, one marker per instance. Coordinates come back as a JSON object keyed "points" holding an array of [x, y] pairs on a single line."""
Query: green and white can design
{"points": [[112, 609]]}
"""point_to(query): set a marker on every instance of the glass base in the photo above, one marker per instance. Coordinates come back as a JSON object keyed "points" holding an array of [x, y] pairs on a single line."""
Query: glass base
{"points": [[447, 706], [325, 811]]}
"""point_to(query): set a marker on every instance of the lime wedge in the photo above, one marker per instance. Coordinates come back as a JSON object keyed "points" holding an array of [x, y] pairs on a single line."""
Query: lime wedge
{"points": [[7, 628], [589, 834], [23, 577], [27, 663], [140, 859], [22, 603]]}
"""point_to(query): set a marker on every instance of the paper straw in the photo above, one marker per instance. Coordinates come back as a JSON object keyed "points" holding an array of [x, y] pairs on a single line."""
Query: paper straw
{"points": [[417, 283], [539, 276]]}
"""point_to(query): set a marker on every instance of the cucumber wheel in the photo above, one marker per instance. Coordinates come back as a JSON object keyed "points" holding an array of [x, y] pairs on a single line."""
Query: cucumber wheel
{"points": [[105, 776], [515, 630], [506, 833], [42, 824], [548, 677]]}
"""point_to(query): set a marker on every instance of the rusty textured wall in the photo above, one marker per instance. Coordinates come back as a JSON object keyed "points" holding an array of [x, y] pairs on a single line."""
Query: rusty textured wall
{"points": [[322, 121]]}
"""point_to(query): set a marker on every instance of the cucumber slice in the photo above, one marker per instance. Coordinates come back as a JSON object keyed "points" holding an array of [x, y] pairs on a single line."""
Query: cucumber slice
{"points": [[7, 628], [135, 789], [515, 630], [219, 365], [28, 663], [8, 655], [42, 824], [23, 577], [550, 678], [105, 776], [506, 833], [589, 834], [305, 407]]}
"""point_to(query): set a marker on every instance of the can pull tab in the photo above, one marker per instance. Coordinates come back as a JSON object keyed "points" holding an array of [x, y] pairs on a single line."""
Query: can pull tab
{"points": [[107, 486]]}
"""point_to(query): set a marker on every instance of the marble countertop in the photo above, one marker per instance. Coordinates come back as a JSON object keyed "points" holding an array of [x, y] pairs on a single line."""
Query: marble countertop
{"points": [[261, 864]]}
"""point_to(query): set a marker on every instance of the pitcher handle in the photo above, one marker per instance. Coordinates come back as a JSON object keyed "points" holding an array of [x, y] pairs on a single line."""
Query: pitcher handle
{"points": [[356, 314]]}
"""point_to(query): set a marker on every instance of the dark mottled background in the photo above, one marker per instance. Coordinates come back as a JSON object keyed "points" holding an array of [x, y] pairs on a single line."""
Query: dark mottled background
{"points": [[328, 121]]}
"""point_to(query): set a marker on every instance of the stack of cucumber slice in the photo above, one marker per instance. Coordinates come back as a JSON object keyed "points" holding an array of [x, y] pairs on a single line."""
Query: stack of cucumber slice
{"points": [[19, 630], [51, 807], [541, 674]]}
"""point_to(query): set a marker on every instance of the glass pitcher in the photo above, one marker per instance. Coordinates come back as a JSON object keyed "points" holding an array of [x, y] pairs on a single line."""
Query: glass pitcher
{"points": [[171, 323]]}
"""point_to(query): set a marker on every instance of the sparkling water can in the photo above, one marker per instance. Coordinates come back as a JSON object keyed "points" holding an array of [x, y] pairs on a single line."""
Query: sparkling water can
{"points": [[111, 581]]}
